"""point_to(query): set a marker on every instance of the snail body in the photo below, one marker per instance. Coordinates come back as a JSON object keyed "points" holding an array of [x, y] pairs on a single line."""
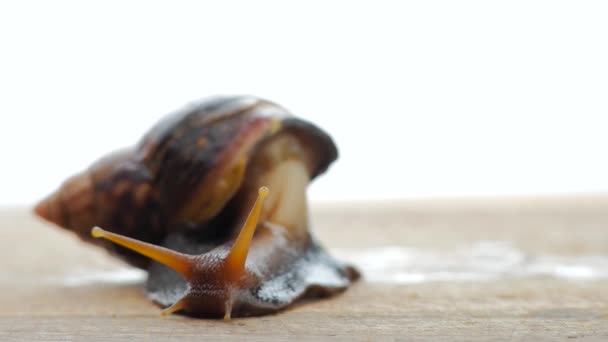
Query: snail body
{"points": [[182, 197]]}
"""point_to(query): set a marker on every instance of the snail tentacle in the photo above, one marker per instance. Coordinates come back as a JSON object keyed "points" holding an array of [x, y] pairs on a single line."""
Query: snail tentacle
{"points": [[179, 305], [180, 262], [235, 261]]}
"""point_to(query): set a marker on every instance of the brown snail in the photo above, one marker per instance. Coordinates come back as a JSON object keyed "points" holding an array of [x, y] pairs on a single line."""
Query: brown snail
{"points": [[182, 194]]}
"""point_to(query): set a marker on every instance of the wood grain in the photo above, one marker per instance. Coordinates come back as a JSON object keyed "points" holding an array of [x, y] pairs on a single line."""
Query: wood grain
{"points": [[36, 304]]}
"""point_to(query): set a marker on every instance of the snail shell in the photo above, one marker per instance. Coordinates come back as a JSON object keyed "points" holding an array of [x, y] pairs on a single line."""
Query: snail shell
{"points": [[188, 186]]}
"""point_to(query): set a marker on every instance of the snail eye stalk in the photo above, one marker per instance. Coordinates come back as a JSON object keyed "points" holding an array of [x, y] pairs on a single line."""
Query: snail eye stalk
{"points": [[177, 261], [235, 261]]}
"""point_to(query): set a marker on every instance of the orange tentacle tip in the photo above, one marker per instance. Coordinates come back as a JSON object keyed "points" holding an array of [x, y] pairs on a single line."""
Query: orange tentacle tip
{"points": [[97, 232]]}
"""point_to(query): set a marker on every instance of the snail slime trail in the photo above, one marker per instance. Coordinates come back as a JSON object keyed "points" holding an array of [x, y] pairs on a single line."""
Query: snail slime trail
{"points": [[215, 195]]}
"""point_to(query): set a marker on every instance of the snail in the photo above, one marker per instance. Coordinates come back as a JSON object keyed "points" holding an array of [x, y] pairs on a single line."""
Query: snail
{"points": [[212, 202]]}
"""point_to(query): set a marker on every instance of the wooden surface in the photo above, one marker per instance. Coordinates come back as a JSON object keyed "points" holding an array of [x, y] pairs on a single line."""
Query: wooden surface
{"points": [[38, 304]]}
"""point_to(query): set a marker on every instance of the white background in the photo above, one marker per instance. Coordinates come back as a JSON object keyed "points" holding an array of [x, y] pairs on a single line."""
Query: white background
{"points": [[426, 98]]}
